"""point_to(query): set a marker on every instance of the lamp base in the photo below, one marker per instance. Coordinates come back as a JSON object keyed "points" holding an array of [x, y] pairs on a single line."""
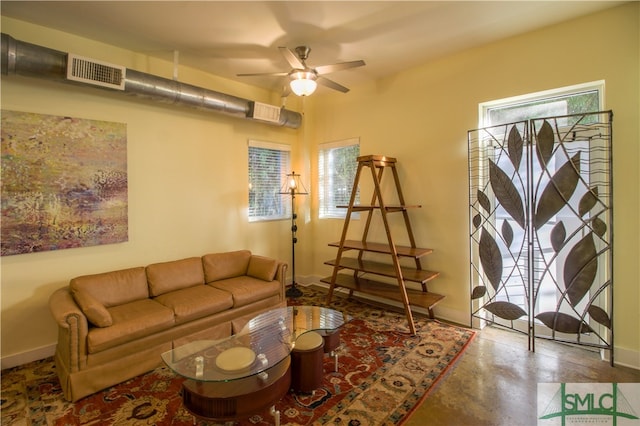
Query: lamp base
{"points": [[293, 291]]}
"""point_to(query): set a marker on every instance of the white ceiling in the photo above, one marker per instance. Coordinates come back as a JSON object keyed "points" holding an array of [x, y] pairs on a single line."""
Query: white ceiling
{"points": [[227, 38]]}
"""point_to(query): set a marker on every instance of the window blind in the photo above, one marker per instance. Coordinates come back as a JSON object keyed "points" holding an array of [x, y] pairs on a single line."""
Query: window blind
{"points": [[337, 165], [268, 164]]}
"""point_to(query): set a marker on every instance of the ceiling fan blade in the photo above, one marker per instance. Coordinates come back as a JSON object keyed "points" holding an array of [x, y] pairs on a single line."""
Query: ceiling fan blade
{"points": [[326, 69], [291, 57], [331, 84], [275, 74]]}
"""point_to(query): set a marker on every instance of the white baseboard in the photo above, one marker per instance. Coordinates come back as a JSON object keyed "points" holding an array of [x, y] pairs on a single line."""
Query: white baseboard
{"points": [[626, 358], [622, 357], [28, 356]]}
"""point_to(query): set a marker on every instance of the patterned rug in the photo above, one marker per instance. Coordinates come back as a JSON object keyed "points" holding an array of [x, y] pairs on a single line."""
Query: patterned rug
{"points": [[384, 373]]}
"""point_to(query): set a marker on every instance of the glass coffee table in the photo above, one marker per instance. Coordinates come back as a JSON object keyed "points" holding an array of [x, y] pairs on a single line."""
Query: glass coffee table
{"points": [[246, 373]]}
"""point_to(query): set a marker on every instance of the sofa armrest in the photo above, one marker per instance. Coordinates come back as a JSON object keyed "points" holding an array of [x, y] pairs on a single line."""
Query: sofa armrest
{"points": [[281, 275], [73, 329]]}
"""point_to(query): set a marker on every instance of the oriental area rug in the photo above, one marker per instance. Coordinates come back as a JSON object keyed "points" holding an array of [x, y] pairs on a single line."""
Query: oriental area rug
{"points": [[384, 374]]}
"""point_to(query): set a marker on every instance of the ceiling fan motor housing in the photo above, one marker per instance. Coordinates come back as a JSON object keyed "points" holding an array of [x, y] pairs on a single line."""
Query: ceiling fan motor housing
{"points": [[303, 52]]}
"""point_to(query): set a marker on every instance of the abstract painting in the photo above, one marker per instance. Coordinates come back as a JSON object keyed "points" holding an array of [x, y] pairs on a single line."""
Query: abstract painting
{"points": [[64, 183]]}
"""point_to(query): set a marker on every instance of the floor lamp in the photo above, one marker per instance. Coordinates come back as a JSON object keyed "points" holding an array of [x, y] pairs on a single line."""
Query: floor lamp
{"points": [[293, 186]]}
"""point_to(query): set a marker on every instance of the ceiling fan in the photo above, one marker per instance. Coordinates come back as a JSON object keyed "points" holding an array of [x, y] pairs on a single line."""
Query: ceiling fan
{"points": [[304, 79]]}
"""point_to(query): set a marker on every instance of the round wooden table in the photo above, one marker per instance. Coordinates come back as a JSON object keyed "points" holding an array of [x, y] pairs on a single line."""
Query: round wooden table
{"points": [[244, 374]]}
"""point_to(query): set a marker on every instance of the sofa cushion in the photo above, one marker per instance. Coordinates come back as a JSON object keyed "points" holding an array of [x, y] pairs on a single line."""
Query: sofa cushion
{"points": [[131, 321], [114, 288], [175, 275], [262, 268], [219, 266], [246, 289], [196, 302], [95, 311]]}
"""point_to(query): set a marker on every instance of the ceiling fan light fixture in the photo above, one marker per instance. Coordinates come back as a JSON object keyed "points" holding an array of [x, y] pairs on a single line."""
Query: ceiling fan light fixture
{"points": [[303, 83]]}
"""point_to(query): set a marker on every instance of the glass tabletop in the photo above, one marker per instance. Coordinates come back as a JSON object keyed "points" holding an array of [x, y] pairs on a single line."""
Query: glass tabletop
{"points": [[265, 341]]}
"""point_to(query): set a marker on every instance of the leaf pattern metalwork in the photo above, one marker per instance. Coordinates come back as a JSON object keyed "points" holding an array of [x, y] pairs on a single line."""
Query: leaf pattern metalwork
{"points": [[507, 233], [483, 200], [477, 221], [551, 178], [599, 315], [544, 143], [505, 310], [478, 292], [587, 201], [514, 146], [506, 193], [558, 235], [580, 269], [558, 191], [599, 227], [563, 323], [490, 258]]}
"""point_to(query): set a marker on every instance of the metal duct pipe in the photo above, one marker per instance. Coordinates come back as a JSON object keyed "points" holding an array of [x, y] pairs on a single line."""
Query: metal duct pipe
{"points": [[31, 60]]}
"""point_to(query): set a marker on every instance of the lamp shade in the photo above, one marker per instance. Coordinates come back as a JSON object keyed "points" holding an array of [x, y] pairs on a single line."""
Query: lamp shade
{"points": [[303, 83], [292, 185]]}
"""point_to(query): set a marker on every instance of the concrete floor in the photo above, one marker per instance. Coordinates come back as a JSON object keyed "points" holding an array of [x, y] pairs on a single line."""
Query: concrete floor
{"points": [[495, 381]]}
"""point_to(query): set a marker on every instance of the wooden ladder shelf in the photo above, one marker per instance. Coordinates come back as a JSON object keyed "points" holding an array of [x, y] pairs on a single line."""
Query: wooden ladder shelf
{"points": [[360, 266]]}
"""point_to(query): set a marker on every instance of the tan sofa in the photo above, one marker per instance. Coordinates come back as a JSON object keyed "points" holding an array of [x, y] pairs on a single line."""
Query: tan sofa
{"points": [[113, 326]]}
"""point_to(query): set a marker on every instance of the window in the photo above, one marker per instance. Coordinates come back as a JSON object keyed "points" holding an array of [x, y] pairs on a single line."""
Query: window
{"points": [[337, 165], [562, 102], [268, 164], [565, 101]]}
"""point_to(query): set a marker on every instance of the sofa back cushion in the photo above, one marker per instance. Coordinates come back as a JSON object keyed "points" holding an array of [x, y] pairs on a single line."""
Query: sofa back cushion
{"points": [[113, 288], [175, 275], [219, 266]]}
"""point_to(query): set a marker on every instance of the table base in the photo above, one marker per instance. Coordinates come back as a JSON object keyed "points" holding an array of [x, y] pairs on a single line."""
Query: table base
{"points": [[240, 398]]}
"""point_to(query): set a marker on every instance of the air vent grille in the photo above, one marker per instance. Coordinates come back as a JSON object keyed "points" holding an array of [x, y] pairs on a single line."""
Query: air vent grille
{"points": [[95, 72], [264, 112]]}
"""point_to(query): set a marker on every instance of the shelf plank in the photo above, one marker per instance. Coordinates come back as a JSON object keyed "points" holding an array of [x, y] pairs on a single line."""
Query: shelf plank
{"points": [[389, 291], [381, 160], [390, 208], [408, 274], [405, 251]]}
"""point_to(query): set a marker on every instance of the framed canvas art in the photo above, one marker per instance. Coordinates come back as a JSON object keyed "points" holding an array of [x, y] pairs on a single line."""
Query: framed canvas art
{"points": [[64, 183]]}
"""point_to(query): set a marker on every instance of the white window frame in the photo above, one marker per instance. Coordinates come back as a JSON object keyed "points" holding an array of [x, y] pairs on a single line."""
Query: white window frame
{"points": [[485, 107], [326, 202], [270, 187]]}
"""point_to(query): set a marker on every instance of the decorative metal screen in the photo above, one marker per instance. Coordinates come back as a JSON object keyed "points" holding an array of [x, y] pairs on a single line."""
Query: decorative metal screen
{"points": [[541, 237]]}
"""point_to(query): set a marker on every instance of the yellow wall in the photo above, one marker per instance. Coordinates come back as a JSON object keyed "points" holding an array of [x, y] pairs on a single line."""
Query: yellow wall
{"points": [[187, 174], [422, 115], [187, 169]]}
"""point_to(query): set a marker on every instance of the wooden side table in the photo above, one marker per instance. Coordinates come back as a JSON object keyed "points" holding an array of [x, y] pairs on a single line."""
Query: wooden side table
{"points": [[306, 362]]}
